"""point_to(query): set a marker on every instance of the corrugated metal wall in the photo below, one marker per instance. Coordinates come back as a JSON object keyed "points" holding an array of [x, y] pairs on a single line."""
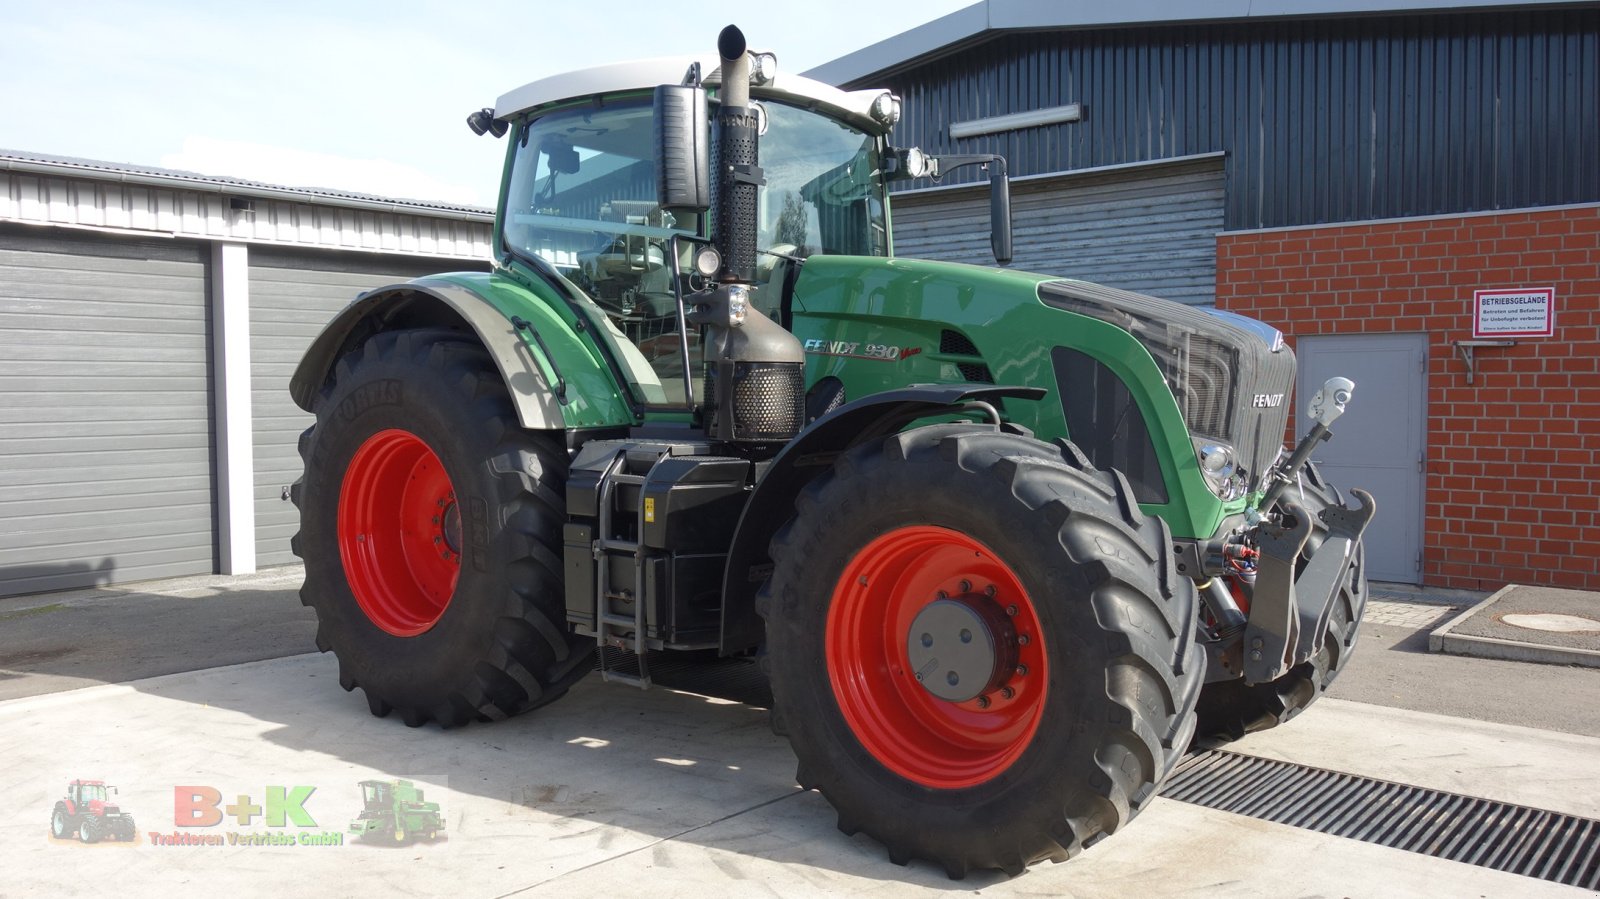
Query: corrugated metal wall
{"points": [[105, 410], [292, 296], [1323, 120], [1152, 229]]}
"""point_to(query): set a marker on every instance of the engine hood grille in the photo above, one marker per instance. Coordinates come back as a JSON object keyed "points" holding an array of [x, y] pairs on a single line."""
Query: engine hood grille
{"points": [[1230, 375]]}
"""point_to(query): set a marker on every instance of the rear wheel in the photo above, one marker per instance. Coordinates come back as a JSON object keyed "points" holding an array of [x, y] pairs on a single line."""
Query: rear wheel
{"points": [[60, 823], [979, 648], [430, 525], [1230, 709]]}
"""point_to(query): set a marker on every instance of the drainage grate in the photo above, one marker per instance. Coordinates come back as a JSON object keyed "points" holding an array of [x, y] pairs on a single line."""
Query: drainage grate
{"points": [[1513, 838]]}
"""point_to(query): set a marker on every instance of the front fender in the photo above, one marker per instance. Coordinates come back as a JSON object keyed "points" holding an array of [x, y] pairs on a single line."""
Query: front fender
{"points": [[808, 455], [556, 379]]}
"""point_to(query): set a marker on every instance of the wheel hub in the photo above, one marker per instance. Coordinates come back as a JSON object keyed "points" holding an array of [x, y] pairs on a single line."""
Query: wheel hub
{"points": [[935, 656], [452, 526], [961, 648]]}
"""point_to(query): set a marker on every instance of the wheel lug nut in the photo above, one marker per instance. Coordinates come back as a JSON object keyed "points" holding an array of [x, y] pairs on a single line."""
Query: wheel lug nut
{"points": [[435, 519], [1007, 692], [941, 595], [990, 591], [437, 538], [983, 702], [966, 586], [1022, 671], [1011, 610], [1022, 639]]}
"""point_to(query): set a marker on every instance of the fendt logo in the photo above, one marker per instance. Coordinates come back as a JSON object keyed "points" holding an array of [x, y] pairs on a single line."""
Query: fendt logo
{"points": [[281, 808], [1267, 400]]}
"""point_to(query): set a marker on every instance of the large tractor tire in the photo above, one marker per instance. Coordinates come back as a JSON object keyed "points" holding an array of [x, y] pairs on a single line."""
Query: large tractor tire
{"points": [[61, 824], [430, 526], [979, 648], [1229, 710]]}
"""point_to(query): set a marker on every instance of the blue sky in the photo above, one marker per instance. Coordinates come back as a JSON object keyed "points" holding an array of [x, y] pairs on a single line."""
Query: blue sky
{"points": [[366, 96]]}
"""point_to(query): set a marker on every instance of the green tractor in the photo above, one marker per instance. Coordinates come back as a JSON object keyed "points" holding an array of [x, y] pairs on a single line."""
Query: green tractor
{"points": [[396, 809], [1006, 544]]}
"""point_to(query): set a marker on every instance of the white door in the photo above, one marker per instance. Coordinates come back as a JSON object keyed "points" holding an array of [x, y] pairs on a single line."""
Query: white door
{"points": [[1379, 443]]}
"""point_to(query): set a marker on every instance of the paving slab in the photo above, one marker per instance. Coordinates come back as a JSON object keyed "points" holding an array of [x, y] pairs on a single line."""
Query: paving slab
{"points": [[616, 792], [1529, 624]]}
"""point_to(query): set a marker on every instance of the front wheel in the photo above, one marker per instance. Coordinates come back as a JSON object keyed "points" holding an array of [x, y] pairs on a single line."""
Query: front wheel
{"points": [[430, 525], [979, 648], [87, 834]]}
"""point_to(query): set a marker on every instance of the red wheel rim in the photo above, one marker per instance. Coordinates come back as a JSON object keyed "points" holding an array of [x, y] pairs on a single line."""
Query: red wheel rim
{"points": [[399, 532], [931, 741]]}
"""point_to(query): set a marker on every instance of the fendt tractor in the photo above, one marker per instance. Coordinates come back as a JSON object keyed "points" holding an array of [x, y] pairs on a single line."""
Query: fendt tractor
{"points": [[1005, 544]]}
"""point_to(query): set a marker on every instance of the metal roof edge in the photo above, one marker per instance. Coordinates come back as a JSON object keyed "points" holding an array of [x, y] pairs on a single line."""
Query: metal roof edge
{"points": [[1063, 173], [89, 169], [989, 17]]}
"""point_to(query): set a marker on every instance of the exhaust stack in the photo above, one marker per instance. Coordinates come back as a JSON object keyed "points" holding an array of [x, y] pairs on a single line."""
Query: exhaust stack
{"points": [[737, 162], [755, 370]]}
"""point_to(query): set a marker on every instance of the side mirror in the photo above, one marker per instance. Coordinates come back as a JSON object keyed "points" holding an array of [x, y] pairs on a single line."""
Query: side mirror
{"points": [[999, 211], [683, 141], [999, 189]]}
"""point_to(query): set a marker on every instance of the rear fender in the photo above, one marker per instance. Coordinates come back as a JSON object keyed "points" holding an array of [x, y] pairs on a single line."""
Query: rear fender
{"points": [[556, 379], [808, 455]]}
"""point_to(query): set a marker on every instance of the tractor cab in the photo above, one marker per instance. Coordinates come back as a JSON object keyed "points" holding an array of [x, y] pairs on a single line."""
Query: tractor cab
{"points": [[582, 201], [84, 792]]}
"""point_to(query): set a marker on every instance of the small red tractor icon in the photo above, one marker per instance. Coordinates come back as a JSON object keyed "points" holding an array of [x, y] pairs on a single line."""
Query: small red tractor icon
{"points": [[88, 813]]}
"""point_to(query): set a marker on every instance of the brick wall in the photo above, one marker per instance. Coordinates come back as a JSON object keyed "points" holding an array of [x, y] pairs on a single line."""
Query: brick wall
{"points": [[1512, 491]]}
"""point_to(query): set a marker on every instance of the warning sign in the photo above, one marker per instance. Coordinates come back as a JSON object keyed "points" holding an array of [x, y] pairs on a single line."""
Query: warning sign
{"points": [[1529, 312]]}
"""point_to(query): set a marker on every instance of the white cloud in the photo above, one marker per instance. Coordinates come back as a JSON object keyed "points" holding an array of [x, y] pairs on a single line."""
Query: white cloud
{"points": [[304, 168]]}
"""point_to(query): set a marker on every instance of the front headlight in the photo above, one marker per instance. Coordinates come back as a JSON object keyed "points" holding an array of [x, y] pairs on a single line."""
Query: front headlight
{"points": [[1218, 467]]}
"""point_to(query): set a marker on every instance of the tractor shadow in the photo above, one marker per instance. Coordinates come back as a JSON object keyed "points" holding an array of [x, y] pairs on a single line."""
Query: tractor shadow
{"points": [[63, 641], [604, 772]]}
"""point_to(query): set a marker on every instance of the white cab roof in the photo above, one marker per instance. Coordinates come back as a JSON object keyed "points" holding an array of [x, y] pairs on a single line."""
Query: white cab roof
{"points": [[645, 74]]}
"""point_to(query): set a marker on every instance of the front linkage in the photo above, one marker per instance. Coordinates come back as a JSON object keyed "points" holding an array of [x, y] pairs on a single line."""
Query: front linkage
{"points": [[1286, 566]]}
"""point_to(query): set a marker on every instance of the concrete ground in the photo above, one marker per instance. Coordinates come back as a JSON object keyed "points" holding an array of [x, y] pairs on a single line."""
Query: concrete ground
{"points": [[1393, 667], [615, 792], [612, 791]]}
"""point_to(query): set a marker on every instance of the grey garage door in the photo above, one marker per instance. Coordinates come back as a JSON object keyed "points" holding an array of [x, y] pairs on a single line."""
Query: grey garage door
{"points": [[1149, 229], [105, 413], [291, 297]]}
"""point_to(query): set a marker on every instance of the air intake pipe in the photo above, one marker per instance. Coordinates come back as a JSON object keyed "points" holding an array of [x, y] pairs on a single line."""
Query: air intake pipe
{"points": [[755, 370]]}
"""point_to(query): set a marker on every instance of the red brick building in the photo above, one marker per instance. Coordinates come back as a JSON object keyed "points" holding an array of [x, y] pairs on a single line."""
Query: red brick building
{"points": [[1351, 173], [1512, 472]]}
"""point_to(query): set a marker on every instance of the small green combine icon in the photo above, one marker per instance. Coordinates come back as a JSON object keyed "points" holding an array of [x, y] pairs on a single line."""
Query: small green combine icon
{"points": [[395, 808]]}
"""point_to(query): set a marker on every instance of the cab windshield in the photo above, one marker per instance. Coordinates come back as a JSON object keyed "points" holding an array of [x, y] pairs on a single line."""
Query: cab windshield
{"points": [[582, 198]]}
